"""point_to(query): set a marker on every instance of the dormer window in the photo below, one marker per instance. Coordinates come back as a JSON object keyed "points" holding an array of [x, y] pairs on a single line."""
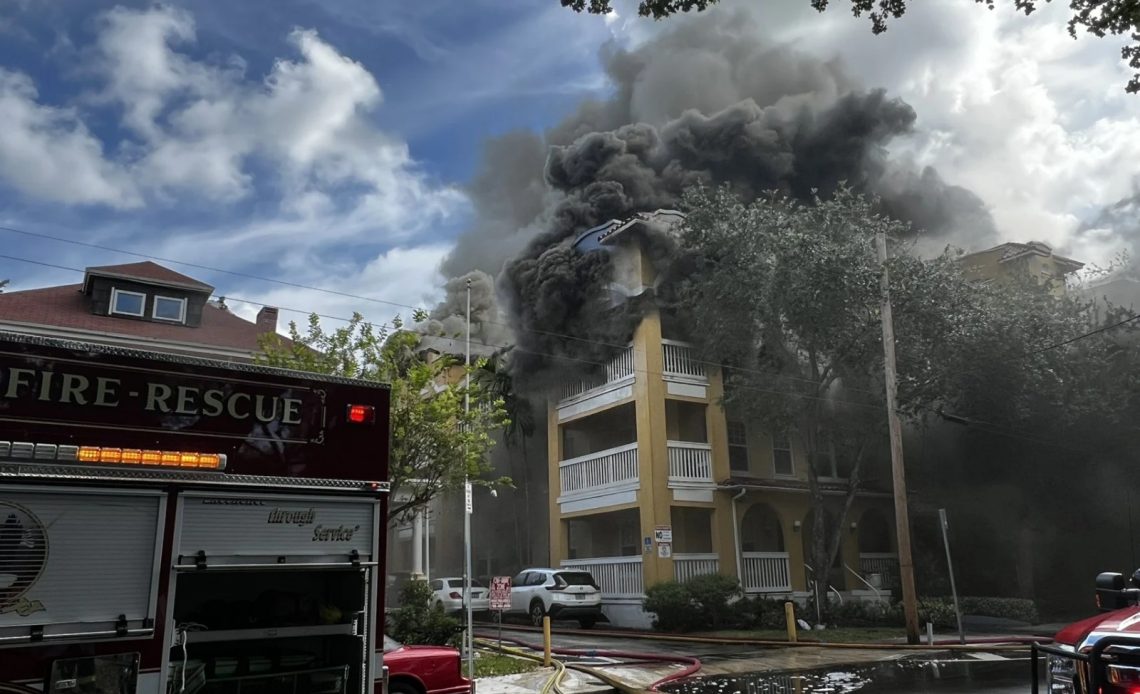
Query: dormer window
{"points": [[170, 309], [127, 303]]}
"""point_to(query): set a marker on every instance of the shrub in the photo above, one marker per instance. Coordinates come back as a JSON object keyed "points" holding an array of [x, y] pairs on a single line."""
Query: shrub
{"points": [[673, 608], [713, 595], [421, 620], [1018, 609], [765, 613]]}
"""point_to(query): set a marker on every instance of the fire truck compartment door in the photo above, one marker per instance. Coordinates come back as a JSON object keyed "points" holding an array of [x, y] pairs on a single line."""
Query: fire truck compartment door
{"points": [[78, 562], [222, 529]]}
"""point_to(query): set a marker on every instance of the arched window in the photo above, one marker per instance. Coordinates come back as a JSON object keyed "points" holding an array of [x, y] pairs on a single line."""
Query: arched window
{"points": [[760, 530]]}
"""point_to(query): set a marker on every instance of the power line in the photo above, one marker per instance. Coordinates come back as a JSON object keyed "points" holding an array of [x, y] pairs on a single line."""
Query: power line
{"points": [[349, 295], [1081, 337]]}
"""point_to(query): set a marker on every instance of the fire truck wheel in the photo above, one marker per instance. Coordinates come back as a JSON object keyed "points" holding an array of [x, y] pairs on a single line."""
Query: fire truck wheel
{"points": [[403, 688]]}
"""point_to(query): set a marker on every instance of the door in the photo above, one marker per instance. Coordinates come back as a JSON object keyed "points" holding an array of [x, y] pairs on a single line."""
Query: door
{"points": [[520, 598]]}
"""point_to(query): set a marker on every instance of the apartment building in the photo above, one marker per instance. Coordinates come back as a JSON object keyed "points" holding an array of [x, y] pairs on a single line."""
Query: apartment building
{"points": [[1032, 259], [650, 480]]}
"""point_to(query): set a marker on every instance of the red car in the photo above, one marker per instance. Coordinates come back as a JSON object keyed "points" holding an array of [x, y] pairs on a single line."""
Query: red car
{"points": [[424, 670]]}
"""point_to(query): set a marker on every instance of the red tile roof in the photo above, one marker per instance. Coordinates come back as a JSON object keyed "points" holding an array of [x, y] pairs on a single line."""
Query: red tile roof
{"points": [[67, 307], [149, 272]]}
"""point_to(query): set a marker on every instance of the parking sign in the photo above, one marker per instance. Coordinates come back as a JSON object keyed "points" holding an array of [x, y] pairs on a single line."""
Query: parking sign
{"points": [[500, 592]]}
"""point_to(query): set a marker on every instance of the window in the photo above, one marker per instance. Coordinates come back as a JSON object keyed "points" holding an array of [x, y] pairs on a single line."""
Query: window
{"points": [[128, 303], [737, 446], [829, 463], [782, 455], [171, 309]]}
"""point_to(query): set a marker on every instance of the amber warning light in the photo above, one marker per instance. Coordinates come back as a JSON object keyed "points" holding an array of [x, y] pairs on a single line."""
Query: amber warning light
{"points": [[361, 414], [99, 455]]}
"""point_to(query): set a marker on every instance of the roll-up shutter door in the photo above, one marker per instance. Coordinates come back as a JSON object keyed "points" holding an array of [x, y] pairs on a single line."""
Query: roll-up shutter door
{"points": [[77, 562], [228, 529]]}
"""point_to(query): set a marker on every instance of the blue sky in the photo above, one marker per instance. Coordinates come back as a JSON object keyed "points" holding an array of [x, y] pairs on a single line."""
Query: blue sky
{"points": [[327, 142], [364, 119]]}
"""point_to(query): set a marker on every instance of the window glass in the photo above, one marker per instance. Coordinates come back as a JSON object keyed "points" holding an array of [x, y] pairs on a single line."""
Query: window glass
{"points": [[737, 446], [127, 303], [167, 308], [782, 454]]}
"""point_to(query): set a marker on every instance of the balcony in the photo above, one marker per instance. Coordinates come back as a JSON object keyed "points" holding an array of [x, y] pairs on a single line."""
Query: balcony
{"points": [[620, 578], [601, 479], [883, 564], [686, 566], [599, 390], [690, 471], [685, 375], [766, 572]]}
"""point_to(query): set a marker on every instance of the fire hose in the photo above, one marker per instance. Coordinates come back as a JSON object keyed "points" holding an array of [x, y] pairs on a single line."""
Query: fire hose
{"points": [[691, 665]]}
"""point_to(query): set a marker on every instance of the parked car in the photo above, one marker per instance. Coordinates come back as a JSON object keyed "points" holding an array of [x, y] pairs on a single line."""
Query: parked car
{"points": [[560, 593], [424, 670], [449, 594]]}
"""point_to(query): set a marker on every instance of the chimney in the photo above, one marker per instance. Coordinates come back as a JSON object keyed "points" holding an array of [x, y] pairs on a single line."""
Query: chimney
{"points": [[267, 320]]}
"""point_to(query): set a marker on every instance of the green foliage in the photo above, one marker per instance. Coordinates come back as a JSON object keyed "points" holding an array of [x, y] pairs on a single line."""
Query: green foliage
{"points": [[420, 620], [713, 595], [3, 283], [1097, 17], [436, 444], [765, 613], [672, 606], [498, 664], [938, 611], [702, 602]]}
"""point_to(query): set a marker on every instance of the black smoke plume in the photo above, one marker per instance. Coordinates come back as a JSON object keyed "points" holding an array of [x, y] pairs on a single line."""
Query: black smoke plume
{"points": [[709, 102]]}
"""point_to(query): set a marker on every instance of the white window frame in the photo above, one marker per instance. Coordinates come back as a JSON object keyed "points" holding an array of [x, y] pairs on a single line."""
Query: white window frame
{"points": [[747, 455], [181, 313], [116, 293], [787, 440]]}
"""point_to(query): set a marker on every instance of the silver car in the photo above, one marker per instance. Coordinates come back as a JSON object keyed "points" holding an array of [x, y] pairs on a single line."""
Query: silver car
{"points": [[449, 594]]}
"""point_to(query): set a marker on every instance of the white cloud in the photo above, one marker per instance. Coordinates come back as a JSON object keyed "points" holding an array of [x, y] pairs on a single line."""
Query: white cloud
{"points": [[1009, 106], [404, 276], [48, 152]]}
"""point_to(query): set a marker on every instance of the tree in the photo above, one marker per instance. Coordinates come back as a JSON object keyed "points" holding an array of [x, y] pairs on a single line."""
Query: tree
{"points": [[435, 444], [3, 283], [1097, 17], [786, 297], [494, 375]]}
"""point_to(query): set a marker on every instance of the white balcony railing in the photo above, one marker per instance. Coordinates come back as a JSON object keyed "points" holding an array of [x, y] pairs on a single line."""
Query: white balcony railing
{"points": [[681, 360], [885, 564], [766, 572], [686, 566], [606, 468], [619, 368], [690, 462], [618, 577]]}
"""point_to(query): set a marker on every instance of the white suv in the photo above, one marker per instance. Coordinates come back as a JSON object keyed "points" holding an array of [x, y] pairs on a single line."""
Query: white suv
{"points": [[560, 593]]}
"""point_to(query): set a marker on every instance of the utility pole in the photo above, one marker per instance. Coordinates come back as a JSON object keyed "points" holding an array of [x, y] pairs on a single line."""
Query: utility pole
{"points": [[467, 501], [898, 473]]}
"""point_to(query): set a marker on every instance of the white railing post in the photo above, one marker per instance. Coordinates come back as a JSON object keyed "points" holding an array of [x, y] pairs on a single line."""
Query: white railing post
{"points": [[618, 577], [686, 566], [767, 572], [681, 360], [690, 462], [597, 470]]}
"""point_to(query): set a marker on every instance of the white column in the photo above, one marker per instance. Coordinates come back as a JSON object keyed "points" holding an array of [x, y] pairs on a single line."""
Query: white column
{"points": [[418, 545], [427, 543]]}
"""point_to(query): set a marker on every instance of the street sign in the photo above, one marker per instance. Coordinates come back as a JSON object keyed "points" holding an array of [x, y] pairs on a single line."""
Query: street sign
{"points": [[500, 592], [467, 497], [664, 550], [648, 545], [663, 533]]}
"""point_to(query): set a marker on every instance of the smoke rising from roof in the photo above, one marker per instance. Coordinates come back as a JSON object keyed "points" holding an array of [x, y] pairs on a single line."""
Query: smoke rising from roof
{"points": [[709, 102]]}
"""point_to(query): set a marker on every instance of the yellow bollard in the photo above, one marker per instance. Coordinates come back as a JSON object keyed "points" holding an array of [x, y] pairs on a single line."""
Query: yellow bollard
{"points": [[546, 641], [790, 617]]}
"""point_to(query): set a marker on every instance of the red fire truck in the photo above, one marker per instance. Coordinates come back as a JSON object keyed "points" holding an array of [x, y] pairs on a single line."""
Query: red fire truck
{"points": [[1099, 654], [171, 524]]}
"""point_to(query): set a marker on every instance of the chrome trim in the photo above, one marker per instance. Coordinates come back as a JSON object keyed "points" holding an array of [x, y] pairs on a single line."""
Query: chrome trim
{"points": [[295, 566], [77, 635], [89, 348], [19, 470]]}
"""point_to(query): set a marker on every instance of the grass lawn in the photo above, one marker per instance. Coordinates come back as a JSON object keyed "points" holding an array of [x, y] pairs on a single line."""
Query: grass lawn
{"points": [[496, 664], [839, 635]]}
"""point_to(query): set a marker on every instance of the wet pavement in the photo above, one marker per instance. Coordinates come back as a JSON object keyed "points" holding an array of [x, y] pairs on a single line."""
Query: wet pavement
{"points": [[1006, 674]]}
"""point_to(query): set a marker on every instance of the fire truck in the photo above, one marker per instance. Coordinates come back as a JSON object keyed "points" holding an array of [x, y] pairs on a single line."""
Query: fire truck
{"points": [[174, 524], [1099, 654]]}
